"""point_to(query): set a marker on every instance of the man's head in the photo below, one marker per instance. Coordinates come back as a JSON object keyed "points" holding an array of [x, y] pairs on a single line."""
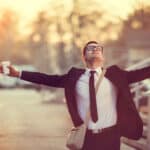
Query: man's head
{"points": [[93, 53]]}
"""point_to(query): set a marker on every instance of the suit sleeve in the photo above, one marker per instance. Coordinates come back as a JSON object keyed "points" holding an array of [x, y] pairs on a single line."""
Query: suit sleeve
{"points": [[138, 75], [45, 79]]}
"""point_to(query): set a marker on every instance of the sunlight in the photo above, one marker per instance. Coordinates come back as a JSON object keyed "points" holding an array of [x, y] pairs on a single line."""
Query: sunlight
{"points": [[27, 10]]}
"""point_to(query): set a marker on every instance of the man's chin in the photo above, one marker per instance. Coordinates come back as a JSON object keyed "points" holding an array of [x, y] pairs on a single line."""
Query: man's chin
{"points": [[95, 59]]}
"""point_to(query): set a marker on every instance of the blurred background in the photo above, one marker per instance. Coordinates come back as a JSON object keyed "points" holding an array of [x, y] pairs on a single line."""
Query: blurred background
{"points": [[48, 36]]}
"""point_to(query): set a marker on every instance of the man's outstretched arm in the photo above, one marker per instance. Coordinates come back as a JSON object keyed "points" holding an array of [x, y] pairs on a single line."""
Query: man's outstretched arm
{"points": [[138, 75], [36, 77], [45, 79]]}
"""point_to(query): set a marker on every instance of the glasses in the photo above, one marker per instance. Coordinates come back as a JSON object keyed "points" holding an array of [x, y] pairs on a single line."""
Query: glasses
{"points": [[93, 47]]}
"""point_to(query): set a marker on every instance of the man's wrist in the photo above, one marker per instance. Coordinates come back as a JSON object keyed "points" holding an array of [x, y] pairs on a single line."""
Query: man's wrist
{"points": [[20, 73]]}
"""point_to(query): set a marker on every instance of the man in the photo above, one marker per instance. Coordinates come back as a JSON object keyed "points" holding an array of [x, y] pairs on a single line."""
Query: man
{"points": [[113, 113]]}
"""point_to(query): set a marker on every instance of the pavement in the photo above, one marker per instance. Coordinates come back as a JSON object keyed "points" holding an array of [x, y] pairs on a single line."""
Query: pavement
{"points": [[28, 123]]}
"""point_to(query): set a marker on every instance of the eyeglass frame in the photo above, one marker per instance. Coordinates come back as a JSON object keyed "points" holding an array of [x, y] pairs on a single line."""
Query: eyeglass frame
{"points": [[94, 46]]}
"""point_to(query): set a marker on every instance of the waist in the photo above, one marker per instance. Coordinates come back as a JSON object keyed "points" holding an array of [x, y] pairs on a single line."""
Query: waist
{"points": [[102, 130]]}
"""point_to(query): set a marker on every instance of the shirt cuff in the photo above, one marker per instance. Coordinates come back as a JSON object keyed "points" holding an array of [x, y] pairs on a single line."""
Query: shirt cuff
{"points": [[20, 74]]}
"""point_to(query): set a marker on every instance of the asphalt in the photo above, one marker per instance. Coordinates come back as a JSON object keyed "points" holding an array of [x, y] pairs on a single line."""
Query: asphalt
{"points": [[27, 122]]}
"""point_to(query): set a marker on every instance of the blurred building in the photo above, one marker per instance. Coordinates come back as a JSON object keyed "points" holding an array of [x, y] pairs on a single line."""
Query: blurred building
{"points": [[133, 47]]}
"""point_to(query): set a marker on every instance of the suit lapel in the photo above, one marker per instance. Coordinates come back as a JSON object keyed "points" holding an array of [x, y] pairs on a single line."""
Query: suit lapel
{"points": [[77, 74], [112, 75]]}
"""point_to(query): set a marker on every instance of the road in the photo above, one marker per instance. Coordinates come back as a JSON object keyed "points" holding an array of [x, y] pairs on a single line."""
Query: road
{"points": [[26, 123]]}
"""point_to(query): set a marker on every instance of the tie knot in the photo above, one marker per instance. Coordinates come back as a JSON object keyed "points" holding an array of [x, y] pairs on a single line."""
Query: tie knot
{"points": [[92, 72]]}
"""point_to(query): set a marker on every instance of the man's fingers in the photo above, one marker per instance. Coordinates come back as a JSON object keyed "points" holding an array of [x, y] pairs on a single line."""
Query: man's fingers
{"points": [[9, 70], [13, 71], [10, 67]]}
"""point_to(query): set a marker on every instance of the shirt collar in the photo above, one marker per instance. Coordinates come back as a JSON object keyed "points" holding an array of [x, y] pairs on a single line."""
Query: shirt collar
{"points": [[98, 70]]}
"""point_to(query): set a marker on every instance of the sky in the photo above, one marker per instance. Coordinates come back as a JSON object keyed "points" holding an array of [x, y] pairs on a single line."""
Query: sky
{"points": [[28, 9]]}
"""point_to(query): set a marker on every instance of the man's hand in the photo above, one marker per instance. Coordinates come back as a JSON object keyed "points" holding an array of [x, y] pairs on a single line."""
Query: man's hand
{"points": [[13, 72]]}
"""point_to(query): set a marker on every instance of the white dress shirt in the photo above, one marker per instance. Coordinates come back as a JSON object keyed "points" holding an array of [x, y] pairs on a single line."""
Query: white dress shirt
{"points": [[106, 98]]}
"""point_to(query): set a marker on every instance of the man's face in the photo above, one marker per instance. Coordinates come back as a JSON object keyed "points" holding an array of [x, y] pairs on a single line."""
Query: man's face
{"points": [[94, 52]]}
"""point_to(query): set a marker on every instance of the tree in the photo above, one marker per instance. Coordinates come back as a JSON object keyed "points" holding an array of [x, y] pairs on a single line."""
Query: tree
{"points": [[137, 21], [8, 32], [38, 42], [135, 34]]}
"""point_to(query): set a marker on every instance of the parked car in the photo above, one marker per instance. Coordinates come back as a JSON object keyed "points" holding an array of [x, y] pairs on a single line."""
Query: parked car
{"points": [[7, 82]]}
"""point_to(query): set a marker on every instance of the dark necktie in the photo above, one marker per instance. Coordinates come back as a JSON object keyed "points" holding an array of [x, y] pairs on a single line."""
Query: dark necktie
{"points": [[93, 106]]}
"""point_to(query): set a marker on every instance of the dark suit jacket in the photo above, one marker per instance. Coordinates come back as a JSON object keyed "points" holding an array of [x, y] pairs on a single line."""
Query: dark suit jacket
{"points": [[129, 122]]}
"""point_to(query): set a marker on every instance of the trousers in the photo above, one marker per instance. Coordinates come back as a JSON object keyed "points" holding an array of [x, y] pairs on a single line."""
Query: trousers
{"points": [[107, 140]]}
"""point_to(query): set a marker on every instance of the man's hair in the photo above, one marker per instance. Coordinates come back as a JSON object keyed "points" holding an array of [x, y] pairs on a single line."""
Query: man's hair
{"points": [[84, 49]]}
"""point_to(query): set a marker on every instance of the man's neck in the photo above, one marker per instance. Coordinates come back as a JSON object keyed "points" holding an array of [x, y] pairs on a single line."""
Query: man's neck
{"points": [[94, 65]]}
